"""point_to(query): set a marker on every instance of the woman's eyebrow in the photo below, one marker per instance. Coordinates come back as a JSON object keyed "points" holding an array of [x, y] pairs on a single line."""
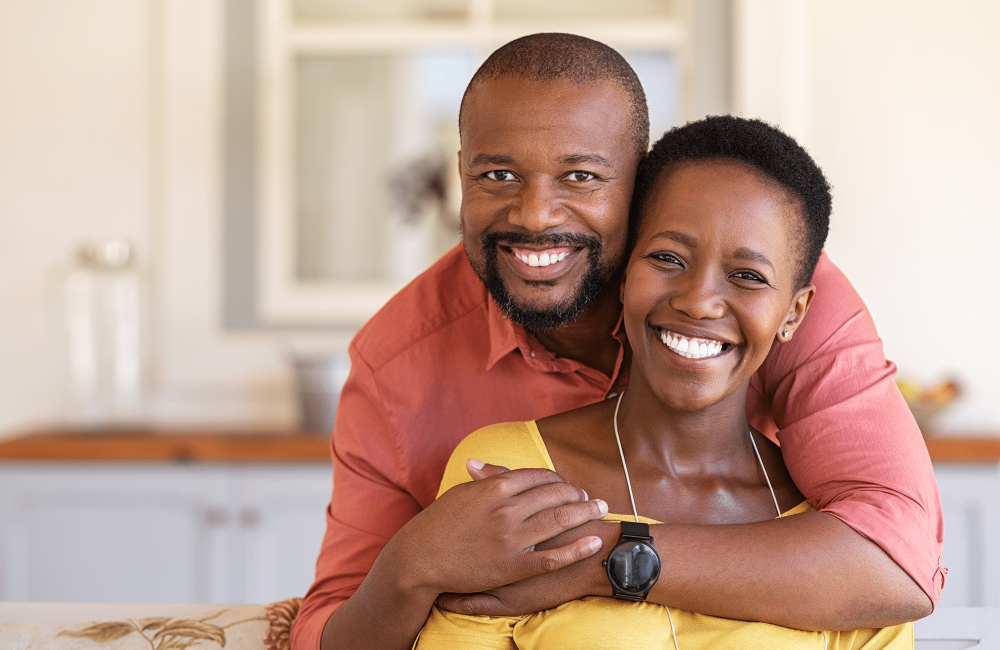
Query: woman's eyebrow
{"points": [[743, 253], [678, 237]]}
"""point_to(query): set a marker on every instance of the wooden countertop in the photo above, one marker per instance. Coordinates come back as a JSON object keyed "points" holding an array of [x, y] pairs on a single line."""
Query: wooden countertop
{"points": [[208, 446], [964, 449], [151, 445]]}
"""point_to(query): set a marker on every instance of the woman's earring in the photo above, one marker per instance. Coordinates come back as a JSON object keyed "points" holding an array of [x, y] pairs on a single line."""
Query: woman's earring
{"points": [[784, 334]]}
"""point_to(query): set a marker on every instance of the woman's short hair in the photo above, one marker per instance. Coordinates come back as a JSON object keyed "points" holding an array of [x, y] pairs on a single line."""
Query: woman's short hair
{"points": [[763, 147]]}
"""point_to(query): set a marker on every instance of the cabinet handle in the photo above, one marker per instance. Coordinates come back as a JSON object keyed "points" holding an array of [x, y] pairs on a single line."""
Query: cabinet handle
{"points": [[216, 517], [250, 517]]}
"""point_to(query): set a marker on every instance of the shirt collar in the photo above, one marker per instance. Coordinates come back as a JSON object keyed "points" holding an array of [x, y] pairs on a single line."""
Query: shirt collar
{"points": [[507, 336]]}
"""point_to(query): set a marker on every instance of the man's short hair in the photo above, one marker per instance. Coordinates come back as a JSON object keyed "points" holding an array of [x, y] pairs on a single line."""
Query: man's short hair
{"points": [[553, 56], [767, 150]]}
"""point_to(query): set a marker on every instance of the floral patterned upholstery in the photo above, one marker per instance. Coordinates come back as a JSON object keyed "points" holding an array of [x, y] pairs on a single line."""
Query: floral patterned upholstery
{"points": [[80, 626]]}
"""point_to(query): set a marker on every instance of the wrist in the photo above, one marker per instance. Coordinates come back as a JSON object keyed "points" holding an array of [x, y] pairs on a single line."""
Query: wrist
{"points": [[608, 531], [403, 578]]}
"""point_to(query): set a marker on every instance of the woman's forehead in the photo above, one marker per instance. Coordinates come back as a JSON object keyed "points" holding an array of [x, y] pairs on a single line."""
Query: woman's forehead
{"points": [[722, 200]]}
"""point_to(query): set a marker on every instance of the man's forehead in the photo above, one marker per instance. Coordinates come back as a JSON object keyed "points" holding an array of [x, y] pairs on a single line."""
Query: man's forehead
{"points": [[517, 90], [585, 116]]}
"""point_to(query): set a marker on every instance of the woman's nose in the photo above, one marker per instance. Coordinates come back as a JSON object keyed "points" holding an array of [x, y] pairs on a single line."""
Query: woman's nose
{"points": [[699, 298], [537, 208]]}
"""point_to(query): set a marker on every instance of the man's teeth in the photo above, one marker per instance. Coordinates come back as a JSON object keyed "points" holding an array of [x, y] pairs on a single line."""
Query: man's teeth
{"points": [[691, 348], [542, 260]]}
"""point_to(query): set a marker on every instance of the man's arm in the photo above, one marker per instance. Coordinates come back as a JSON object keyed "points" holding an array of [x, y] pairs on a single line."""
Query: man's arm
{"points": [[808, 571], [870, 558], [846, 435], [473, 538]]}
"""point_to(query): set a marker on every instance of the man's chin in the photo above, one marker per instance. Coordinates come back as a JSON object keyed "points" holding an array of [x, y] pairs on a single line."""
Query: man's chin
{"points": [[534, 319], [539, 312]]}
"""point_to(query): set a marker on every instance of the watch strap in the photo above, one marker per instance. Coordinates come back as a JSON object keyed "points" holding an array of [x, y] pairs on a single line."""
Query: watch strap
{"points": [[635, 530]]}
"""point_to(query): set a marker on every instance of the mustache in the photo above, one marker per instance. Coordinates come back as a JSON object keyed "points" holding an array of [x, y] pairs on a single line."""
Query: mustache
{"points": [[551, 240]]}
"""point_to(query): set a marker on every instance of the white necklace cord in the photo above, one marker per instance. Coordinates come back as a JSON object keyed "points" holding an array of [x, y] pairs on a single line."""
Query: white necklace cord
{"points": [[621, 453], [635, 512], [766, 478]]}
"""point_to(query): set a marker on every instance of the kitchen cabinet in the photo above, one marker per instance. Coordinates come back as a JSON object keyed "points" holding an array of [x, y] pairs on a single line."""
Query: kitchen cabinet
{"points": [[160, 531], [969, 498], [233, 519]]}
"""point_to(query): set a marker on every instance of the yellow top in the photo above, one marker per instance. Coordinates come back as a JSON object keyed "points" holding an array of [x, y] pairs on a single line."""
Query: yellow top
{"points": [[596, 622]]}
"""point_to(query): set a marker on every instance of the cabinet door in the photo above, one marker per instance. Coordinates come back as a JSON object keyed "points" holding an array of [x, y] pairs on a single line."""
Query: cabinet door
{"points": [[113, 533], [971, 533], [283, 518]]}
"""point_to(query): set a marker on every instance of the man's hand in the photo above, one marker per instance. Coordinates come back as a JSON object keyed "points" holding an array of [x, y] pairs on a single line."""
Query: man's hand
{"points": [[483, 534], [545, 590]]}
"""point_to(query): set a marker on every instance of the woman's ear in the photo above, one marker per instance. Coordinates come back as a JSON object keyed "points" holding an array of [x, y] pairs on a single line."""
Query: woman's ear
{"points": [[796, 312]]}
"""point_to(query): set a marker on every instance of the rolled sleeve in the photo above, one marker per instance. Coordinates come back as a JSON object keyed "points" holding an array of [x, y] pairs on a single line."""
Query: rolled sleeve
{"points": [[847, 438]]}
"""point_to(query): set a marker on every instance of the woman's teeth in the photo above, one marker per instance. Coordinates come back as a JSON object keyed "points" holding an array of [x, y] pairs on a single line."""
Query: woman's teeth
{"points": [[541, 260], [691, 348]]}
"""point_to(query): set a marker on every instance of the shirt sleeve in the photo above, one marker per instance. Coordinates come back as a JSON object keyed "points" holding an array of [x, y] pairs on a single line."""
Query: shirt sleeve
{"points": [[846, 435], [367, 507]]}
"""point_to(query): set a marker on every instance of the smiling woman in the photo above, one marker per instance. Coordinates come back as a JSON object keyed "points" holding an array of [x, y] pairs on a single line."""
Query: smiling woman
{"points": [[729, 214]]}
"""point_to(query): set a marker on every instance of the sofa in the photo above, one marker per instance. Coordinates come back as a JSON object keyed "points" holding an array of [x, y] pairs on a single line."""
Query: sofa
{"points": [[129, 626]]}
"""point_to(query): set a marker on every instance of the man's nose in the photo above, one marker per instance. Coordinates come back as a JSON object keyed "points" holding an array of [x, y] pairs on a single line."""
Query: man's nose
{"points": [[537, 208], [699, 296]]}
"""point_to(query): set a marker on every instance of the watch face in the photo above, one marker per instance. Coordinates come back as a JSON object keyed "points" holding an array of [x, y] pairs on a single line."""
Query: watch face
{"points": [[633, 567]]}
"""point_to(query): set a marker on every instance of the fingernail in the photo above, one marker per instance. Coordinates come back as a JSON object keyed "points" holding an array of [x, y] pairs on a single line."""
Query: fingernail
{"points": [[595, 544], [476, 464], [585, 497], [602, 506]]}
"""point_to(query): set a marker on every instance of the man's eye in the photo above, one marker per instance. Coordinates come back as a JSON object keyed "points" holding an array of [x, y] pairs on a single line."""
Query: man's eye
{"points": [[580, 177], [499, 175]]}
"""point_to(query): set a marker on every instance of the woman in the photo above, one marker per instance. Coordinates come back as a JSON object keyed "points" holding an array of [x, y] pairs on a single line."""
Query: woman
{"points": [[729, 218]]}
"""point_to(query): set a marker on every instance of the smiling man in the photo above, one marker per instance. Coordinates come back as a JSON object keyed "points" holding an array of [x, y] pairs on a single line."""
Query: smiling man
{"points": [[523, 321]]}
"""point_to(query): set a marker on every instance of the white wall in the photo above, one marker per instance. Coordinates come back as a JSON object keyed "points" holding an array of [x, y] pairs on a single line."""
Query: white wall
{"points": [[896, 100], [110, 125]]}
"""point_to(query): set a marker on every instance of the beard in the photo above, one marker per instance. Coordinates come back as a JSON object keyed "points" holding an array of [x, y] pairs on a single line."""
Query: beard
{"points": [[541, 317]]}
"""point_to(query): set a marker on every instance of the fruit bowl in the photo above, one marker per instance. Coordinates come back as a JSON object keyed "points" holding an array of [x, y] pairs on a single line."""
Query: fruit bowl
{"points": [[927, 402]]}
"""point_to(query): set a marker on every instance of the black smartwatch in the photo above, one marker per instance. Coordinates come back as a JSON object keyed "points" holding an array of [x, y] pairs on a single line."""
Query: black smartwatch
{"points": [[633, 565]]}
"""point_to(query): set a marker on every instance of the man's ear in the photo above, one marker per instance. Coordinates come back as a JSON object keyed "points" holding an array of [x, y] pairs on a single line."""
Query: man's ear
{"points": [[796, 312]]}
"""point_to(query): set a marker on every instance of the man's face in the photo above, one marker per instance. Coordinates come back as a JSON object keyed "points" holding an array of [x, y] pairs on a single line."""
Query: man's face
{"points": [[547, 172]]}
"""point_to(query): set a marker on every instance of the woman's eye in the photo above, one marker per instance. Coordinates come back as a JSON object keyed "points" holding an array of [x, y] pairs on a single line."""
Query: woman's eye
{"points": [[580, 177], [752, 276], [667, 258], [499, 175]]}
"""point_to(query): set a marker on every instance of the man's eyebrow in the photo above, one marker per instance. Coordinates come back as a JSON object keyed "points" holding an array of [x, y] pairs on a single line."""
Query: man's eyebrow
{"points": [[491, 159], [743, 253], [593, 158]]}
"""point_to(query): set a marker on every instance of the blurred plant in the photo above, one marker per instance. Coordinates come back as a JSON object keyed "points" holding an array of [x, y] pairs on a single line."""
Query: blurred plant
{"points": [[422, 185]]}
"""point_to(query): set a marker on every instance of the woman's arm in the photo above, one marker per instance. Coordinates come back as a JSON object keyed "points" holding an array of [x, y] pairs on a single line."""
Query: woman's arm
{"points": [[473, 537]]}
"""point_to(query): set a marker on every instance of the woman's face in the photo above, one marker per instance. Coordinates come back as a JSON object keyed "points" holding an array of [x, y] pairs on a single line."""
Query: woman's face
{"points": [[710, 283]]}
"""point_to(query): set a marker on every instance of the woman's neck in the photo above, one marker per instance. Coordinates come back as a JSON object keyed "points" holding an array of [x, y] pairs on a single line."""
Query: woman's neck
{"points": [[714, 440]]}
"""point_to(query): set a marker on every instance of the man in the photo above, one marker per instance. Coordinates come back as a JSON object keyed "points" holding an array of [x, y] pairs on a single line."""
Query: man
{"points": [[524, 323]]}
